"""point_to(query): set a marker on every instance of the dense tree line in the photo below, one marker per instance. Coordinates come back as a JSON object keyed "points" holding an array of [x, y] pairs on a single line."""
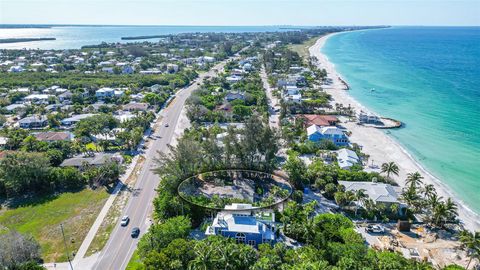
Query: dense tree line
{"points": [[19, 252], [38, 80], [24, 173]]}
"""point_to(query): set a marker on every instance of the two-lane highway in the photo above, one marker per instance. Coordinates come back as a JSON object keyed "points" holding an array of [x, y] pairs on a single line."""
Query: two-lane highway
{"points": [[120, 246]]}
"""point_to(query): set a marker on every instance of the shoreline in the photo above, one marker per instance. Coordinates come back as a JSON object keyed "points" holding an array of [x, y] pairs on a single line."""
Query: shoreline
{"points": [[382, 147]]}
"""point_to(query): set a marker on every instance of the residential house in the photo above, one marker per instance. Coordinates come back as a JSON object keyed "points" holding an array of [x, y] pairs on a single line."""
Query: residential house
{"points": [[65, 96], [38, 98], [104, 92], [35, 121], [15, 107], [368, 118], [292, 94], [317, 119], [242, 226], [97, 159], [70, 121], [51, 136], [346, 158], [234, 78], [128, 69], [135, 107], [380, 193], [334, 134], [231, 96]]}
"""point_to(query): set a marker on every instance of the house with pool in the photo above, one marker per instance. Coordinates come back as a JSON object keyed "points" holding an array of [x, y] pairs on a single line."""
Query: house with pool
{"points": [[242, 226]]}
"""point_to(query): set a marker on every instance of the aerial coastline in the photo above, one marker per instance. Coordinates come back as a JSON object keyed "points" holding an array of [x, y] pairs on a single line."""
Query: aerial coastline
{"points": [[378, 144]]}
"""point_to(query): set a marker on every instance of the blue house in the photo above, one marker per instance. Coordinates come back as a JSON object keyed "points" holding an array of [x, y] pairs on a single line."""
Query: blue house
{"points": [[337, 136], [245, 229]]}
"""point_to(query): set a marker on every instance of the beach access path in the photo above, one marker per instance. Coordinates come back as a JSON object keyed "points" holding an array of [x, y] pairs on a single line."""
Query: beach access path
{"points": [[381, 147]]}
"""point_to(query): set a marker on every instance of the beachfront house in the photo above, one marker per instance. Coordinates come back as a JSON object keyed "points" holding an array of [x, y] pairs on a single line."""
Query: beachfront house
{"points": [[242, 226], [346, 158], [380, 193], [368, 118], [317, 119], [334, 134]]}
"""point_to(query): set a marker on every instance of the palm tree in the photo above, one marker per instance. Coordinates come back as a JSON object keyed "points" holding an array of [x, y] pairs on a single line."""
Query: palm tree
{"points": [[414, 179], [444, 212], [429, 191], [360, 197], [451, 209], [471, 243], [411, 197], [203, 258], [390, 168]]}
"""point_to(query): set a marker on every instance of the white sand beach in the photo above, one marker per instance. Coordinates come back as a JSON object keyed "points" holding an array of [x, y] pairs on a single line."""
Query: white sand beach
{"points": [[381, 147]]}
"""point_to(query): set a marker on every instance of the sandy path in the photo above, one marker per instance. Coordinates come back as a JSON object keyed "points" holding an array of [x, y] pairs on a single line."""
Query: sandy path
{"points": [[379, 145]]}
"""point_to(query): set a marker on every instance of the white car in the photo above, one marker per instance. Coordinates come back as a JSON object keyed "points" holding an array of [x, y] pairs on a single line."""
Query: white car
{"points": [[166, 125], [125, 220], [375, 229]]}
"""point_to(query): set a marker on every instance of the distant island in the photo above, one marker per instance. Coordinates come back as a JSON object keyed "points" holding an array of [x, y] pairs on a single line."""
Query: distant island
{"points": [[143, 37], [17, 40]]}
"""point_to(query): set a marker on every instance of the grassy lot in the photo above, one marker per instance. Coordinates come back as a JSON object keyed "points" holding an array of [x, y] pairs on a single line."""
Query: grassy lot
{"points": [[302, 49], [42, 218], [134, 263]]}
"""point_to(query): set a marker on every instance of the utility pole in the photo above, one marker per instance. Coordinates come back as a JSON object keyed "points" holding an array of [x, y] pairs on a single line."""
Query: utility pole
{"points": [[66, 247]]}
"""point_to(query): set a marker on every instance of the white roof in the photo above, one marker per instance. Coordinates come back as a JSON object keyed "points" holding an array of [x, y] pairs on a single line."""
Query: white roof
{"points": [[331, 130], [379, 192], [347, 158], [37, 96], [105, 89]]}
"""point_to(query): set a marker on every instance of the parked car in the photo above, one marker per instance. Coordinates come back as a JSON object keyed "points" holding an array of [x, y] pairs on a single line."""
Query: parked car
{"points": [[166, 125], [375, 229], [135, 232], [125, 220]]}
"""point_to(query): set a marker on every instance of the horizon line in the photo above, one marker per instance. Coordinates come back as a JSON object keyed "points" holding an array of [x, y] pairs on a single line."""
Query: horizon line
{"points": [[206, 25]]}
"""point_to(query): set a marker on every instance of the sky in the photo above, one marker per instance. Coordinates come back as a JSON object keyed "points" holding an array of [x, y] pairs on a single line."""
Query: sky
{"points": [[241, 12]]}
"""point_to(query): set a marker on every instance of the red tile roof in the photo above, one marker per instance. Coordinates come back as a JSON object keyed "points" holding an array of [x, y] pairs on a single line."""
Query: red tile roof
{"points": [[318, 119]]}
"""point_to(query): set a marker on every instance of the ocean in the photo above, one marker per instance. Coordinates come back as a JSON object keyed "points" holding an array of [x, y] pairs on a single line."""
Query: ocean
{"points": [[428, 78], [74, 37]]}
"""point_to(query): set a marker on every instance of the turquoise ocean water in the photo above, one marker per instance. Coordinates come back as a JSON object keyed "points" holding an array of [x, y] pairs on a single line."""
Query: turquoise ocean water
{"points": [[429, 78]]}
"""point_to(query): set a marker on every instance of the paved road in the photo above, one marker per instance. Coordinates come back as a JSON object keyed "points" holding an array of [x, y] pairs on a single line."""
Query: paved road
{"points": [[120, 247], [273, 102]]}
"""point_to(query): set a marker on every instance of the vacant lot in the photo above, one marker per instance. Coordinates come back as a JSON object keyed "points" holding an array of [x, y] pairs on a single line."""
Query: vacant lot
{"points": [[42, 218], [302, 49]]}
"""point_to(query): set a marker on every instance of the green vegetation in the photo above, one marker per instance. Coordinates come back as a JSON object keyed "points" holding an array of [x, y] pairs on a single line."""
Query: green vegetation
{"points": [[302, 49], [41, 217], [93, 81]]}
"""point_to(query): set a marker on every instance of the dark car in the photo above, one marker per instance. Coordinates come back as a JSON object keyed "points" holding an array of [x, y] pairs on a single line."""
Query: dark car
{"points": [[135, 232]]}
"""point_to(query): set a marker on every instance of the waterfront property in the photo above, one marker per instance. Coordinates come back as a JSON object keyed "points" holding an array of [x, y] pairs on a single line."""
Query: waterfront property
{"points": [[334, 134], [346, 158], [317, 119], [380, 193]]}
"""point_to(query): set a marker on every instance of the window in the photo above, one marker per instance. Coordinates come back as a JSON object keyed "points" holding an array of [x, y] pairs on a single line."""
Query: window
{"points": [[240, 238], [251, 242]]}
